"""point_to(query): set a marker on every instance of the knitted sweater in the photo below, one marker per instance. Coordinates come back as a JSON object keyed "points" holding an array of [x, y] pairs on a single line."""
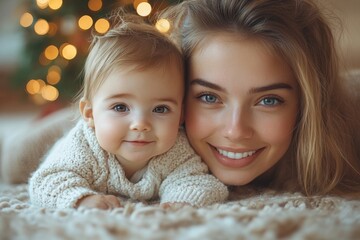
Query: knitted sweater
{"points": [[77, 166]]}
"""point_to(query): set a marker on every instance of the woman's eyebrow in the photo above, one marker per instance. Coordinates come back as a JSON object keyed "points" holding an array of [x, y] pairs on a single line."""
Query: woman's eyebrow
{"points": [[253, 90], [271, 87], [206, 84]]}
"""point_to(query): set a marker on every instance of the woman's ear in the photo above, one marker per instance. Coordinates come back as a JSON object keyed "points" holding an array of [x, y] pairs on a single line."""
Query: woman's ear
{"points": [[86, 112]]}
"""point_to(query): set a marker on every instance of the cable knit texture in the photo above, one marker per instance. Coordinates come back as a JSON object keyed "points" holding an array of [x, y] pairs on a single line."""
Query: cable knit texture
{"points": [[77, 166]]}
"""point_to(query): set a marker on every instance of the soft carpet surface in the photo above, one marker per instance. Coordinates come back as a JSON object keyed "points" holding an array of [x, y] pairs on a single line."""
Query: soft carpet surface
{"points": [[250, 214]]}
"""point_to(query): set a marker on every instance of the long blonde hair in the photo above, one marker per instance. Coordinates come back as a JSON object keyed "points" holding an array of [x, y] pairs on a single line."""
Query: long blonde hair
{"points": [[323, 147]]}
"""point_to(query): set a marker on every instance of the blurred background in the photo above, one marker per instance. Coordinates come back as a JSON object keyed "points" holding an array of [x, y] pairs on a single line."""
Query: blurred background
{"points": [[43, 45]]}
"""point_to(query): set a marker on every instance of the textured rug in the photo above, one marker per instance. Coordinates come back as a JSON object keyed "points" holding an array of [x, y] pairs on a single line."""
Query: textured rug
{"points": [[250, 214]]}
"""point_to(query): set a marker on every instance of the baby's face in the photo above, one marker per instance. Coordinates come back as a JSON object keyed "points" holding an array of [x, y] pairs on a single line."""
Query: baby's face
{"points": [[137, 113]]}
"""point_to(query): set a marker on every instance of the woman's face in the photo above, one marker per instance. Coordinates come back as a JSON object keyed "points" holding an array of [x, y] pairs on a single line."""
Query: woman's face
{"points": [[241, 107]]}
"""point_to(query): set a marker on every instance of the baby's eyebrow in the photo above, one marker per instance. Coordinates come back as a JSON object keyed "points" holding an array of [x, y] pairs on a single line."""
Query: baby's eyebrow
{"points": [[271, 87], [207, 84]]}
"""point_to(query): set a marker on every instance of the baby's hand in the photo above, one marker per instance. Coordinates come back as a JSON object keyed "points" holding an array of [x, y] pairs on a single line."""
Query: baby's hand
{"points": [[173, 205], [99, 201]]}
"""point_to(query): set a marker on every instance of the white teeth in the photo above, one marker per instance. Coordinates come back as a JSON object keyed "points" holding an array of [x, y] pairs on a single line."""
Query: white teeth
{"points": [[234, 155]]}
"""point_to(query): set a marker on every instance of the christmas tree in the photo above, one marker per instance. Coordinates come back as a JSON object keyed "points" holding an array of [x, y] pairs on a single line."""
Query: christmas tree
{"points": [[57, 37]]}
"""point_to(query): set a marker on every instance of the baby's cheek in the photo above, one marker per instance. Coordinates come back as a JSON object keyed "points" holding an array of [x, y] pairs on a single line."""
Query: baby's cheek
{"points": [[107, 137]]}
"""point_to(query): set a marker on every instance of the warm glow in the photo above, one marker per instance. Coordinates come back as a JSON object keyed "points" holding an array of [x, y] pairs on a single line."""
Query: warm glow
{"points": [[26, 20], [163, 25], [95, 5], [55, 4], [41, 27], [49, 93], [102, 25], [33, 87], [43, 60], [42, 4], [85, 22], [143, 9], [69, 52], [137, 2], [41, 83], [51, 52], [54, 75], [52, 29]]}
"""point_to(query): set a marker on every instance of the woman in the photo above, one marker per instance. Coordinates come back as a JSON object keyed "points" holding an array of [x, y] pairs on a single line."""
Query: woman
{"points": [[265, 104], [264, 96]]}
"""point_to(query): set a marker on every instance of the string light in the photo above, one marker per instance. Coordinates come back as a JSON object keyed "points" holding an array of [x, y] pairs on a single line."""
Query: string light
{"points": [[33, 87], [69, 52], [55, 4], [49, 93], [137, 2], [143, 9], [95, 5], [162, 25], [42, 4], [51, 52], [41, 27], [54, 75], [85, 22], [26, 20], [102, 25]]}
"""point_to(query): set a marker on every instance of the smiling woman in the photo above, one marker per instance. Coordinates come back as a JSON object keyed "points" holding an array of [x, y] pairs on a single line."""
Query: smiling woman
{"points": [[262, 82], [251, 123]]}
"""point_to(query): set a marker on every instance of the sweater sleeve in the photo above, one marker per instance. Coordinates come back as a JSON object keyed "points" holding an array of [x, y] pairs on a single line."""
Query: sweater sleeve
{"points": [[66, 175], [190, 181]]}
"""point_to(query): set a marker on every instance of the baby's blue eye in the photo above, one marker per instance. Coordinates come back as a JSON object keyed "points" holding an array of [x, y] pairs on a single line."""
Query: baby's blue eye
{"points": [[208, 98], [121, 108], [161, 109]]}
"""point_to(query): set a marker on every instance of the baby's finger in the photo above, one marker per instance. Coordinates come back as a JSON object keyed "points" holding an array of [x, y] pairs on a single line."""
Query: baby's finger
{"points": [[112, 201]]}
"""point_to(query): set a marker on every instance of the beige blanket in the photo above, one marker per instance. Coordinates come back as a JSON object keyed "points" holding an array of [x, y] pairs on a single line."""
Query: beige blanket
{"points": [[250, 214]]}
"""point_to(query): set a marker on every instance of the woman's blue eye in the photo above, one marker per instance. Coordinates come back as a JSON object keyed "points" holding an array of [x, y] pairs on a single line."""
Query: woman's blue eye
{"points": [[121, 108], [270, 101], [161, 109], [209, 98]]}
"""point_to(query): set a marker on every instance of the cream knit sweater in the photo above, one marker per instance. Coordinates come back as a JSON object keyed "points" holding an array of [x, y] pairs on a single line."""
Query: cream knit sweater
{"points": [[77, 166]]}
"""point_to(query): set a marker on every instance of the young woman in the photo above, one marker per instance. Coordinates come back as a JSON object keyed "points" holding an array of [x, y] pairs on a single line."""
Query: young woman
{"points": [[264, 102]]}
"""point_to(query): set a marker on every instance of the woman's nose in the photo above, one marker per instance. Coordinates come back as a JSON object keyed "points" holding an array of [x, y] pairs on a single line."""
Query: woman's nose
{"points": [[238, 125]]}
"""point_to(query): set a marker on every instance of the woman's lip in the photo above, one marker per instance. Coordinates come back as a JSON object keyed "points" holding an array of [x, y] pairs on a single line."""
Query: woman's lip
{"points": [[235, 163]]}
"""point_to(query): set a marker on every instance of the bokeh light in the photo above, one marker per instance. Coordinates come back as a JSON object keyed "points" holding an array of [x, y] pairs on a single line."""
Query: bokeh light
{"points": [[42, 4], [51, 52], [33, 87], [69, 52], [162, 25], [26, 20], [55, 4], [49, 93], [102, 25], [143, 9], [41, 27], [85, 22], [95, 5], [137, 2], [54, 75]]}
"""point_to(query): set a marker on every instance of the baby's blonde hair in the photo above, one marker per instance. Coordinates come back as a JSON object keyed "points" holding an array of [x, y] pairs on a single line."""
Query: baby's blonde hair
{"points": [[130, 42]]}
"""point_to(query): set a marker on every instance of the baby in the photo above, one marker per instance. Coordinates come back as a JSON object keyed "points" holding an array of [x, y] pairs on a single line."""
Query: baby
{"points": [[127, 142]]}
